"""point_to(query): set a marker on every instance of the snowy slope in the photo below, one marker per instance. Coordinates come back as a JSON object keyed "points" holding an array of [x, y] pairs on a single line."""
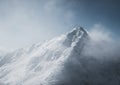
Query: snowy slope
{"points": [[65, 60], [40, 64]]}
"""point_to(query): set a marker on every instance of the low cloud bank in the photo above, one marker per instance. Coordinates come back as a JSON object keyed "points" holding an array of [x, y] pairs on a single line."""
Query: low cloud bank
{"points": [[102, 43]]}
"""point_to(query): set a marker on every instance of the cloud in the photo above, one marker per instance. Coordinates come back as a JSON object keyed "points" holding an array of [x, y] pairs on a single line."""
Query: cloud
{"points": [[102, 43], [25, 22], [51, 6], [98, 63], [99, 33]]}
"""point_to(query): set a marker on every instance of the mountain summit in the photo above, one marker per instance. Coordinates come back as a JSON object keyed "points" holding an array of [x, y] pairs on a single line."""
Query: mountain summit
{"points": [[75, 35], [41, 64]]}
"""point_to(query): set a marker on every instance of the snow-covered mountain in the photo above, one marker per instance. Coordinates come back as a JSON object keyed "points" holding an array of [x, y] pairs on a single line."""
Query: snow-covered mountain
{"points": [[60, 61]]}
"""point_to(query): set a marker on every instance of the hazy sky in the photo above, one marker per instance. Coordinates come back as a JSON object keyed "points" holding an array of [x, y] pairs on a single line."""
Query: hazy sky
{"points": [[24, 22]]}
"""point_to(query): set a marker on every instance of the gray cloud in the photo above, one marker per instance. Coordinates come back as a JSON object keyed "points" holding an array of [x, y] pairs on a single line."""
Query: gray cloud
{"points": [[97, 64]]}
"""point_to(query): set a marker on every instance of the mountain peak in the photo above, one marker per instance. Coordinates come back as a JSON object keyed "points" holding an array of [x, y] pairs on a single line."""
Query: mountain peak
{"points": [[41, 63], [74, 36], [78, 29]]}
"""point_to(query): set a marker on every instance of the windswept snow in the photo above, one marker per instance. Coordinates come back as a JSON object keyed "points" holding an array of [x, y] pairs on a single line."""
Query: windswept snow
{"points": [[64, 60], [39, 64]]}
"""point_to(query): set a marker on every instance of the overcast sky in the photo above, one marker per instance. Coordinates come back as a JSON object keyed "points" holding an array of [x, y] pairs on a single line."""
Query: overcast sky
{"points": [[25, 22]]}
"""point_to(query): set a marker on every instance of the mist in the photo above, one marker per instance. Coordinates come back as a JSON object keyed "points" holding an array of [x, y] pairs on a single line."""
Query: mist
{"points": [[25, 22], [98, 62], [71, 59]]}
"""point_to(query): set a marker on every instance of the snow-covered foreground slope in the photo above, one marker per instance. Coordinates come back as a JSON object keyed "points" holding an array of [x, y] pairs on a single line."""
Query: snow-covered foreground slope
{"points": [[65, 60]]}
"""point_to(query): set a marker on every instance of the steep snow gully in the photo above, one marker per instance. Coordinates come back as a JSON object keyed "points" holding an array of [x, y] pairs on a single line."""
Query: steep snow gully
{"points": [[65, 60]]}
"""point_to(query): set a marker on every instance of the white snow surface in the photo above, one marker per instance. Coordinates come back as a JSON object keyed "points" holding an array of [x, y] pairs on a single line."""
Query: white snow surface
{"points": [[40, 64]]}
